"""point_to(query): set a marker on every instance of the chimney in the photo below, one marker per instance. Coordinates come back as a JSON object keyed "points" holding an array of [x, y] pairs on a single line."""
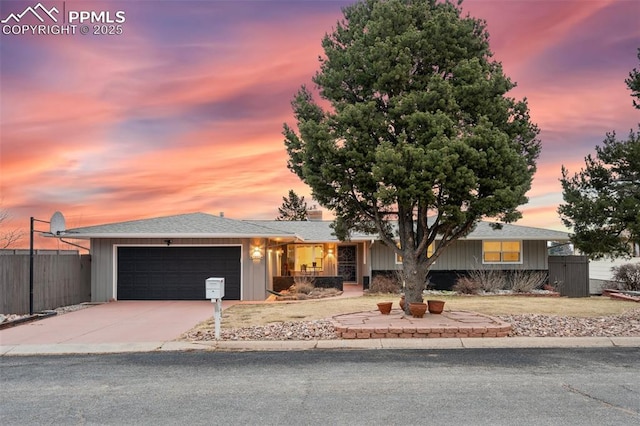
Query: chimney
{"points": [[314, 214], [221, 214]]}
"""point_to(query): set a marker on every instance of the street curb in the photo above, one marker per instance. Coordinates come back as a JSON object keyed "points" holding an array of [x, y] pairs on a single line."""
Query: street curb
{"points": [[308, 345], [79, 348]]}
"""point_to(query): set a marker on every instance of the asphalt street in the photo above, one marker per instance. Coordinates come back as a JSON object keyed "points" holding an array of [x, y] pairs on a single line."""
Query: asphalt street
{"points": [[583, 386]]}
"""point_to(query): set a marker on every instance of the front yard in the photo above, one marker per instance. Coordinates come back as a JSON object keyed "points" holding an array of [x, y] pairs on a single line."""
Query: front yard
{"points": [[246, 315], [529, 316]]}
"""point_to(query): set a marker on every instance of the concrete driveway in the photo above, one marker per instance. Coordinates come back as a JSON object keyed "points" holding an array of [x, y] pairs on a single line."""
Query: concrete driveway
{"points": [[115, 322]]}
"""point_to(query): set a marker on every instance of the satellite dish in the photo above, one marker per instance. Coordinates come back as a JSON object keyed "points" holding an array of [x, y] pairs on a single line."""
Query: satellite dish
{"points": [[57, 224]]}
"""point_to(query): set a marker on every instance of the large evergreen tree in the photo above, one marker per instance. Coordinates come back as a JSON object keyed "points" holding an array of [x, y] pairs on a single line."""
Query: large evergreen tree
{"points": [[602, 201], [419, 125], [293, 207]]}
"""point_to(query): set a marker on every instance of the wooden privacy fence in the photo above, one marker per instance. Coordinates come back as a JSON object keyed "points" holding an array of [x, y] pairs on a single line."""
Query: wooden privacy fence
{"points": [[60, 278], [570, 274]]}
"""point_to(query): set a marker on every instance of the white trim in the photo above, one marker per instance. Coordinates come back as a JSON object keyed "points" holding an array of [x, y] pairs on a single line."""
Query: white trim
{"points": [[501, 240], [114, 259]]}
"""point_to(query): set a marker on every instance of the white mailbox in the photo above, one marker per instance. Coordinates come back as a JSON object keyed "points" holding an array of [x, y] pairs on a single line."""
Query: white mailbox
{"points": [[214, 288]]}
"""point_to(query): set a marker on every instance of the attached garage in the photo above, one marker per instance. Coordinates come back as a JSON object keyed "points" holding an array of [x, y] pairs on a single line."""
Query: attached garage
{"points": [[170, 258], [176, 273]]}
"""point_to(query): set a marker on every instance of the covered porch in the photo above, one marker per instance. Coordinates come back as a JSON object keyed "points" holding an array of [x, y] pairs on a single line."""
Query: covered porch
{"points": [[326, 264]]}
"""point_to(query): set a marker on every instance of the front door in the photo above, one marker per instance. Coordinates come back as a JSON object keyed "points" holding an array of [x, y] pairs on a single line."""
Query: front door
{"points": [[347, 263]]}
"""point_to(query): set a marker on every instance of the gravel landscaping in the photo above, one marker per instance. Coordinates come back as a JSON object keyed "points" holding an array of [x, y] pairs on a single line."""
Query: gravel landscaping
{"points": [[59, 311], [298, 330], [535, 325], [531, 325]]}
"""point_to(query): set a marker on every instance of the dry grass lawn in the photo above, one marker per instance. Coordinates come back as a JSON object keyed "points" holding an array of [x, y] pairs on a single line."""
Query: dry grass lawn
{"points": [[255, 314]]}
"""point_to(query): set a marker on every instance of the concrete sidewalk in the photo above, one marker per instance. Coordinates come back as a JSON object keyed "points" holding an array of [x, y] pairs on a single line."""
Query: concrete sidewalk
{"points": [[303, 345]]}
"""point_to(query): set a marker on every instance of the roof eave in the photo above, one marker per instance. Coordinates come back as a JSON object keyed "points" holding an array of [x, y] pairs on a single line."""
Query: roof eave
{"points": [[89, 235]]}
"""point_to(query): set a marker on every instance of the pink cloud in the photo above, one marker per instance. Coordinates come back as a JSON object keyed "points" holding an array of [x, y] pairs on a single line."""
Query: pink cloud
{"points": [[179, 119]]}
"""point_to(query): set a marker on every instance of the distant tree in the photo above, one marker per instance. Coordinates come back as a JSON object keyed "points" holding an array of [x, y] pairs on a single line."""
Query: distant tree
{"points": [[419, 130], [293, 207], [602, 201], [633, 82], [8, 237]]}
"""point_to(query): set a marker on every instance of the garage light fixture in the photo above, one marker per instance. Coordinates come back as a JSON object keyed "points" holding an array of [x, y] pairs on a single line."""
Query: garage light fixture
{"points": [[256, 254]]}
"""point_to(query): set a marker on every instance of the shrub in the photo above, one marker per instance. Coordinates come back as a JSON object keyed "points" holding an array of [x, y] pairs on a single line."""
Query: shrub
{"points": [[526, 281], [626, 277], [466, 285], [302, 285], [384, 284], [492, 281], [489, 280]]}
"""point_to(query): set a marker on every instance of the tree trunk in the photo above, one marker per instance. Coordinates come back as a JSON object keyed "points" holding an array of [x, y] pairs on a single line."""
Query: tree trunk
{"points": [[415, 277]]}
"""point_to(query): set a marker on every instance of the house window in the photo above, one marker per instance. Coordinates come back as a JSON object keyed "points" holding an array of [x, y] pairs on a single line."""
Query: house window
{"points": [[501, 252], [429, 254], [306, 257]]}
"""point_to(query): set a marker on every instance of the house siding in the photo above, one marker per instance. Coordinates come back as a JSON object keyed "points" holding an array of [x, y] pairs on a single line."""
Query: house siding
{"points": [[103, 271], [600, 272], [465, 255]]}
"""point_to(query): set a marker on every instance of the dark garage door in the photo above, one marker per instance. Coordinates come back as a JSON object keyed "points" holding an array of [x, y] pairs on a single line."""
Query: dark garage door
{"points": [[176, 273]]}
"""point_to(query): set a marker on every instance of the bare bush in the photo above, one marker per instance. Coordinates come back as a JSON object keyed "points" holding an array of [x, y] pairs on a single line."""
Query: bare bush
{"points": [[305, 291], [494, 280], [384, 284], [626, 277], [526, 281], [489, 280], [302, 284], [466, 285]]}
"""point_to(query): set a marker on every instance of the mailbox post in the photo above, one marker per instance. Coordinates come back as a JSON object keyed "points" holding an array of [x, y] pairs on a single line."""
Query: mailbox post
{"points": [[214, 290]]}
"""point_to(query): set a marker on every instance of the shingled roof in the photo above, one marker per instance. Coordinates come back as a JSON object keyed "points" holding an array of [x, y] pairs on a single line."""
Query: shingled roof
{"points": [[309, 231], [193, 225], [321, 231], [484, 231], [203, 225]]}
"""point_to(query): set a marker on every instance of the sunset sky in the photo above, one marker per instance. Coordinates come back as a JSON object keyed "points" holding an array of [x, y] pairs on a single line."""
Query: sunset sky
{"points": [[183, 111]]}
